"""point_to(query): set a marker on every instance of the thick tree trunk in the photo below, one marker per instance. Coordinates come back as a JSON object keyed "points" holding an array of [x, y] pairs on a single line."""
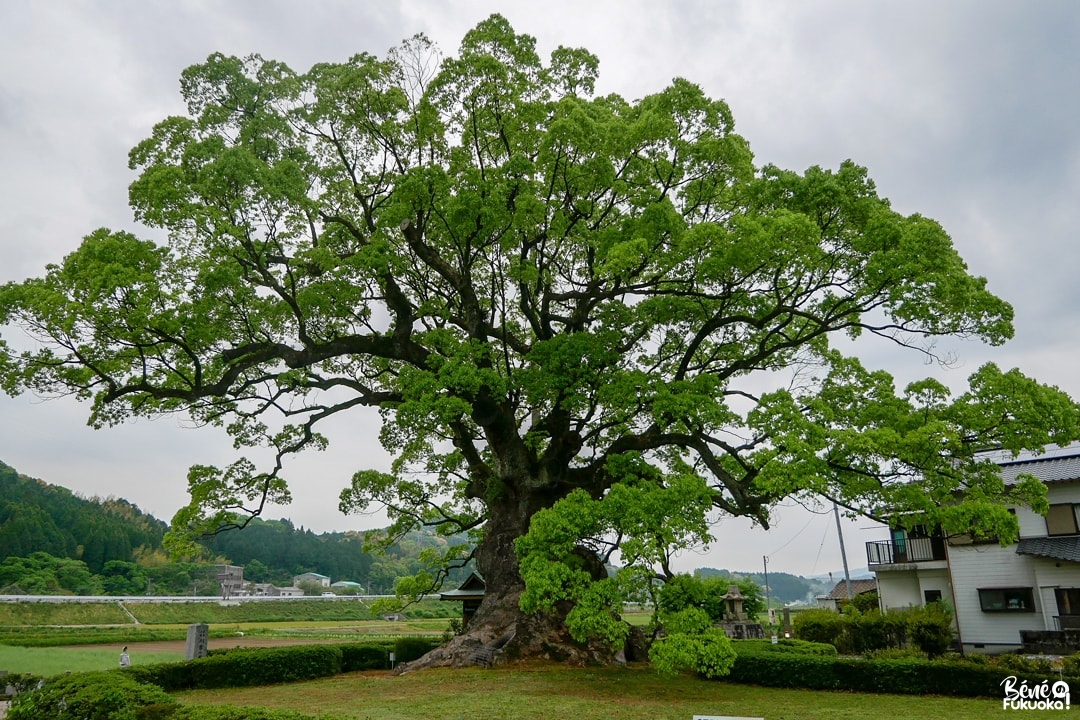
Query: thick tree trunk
{"points": [[500, 631]]}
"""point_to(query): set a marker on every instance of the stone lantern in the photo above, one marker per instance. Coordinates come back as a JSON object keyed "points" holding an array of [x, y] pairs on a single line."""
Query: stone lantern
{"points": [[733, 599]]}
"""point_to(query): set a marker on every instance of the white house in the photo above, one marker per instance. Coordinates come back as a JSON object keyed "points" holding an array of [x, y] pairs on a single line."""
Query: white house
{"points": [[348, 587], [310, 577], [997, 592]]}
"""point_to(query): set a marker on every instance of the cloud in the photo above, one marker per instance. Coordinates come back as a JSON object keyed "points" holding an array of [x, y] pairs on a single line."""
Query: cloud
{"points": [[963, 111]]}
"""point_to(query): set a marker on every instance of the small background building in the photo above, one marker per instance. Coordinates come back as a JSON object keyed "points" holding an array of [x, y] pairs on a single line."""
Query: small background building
{"points": [[310, 577], [348, 587], [470, 593], [832, 599], [231, 578]]}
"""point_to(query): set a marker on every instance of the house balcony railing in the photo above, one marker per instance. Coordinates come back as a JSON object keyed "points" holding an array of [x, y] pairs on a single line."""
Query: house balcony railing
{"points": [[1067, 622], [906, 550]]}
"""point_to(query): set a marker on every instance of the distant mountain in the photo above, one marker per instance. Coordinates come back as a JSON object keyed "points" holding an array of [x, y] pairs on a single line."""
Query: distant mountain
{"points": [[38, 517], [838, 575], [783, 587]]}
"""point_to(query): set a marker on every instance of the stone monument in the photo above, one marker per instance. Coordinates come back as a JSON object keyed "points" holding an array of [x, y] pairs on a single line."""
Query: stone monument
{"points": [[198, 637], [735, 624]]}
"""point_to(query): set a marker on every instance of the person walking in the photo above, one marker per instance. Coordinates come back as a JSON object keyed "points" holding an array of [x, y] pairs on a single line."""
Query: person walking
{"points": [[125, 659]]}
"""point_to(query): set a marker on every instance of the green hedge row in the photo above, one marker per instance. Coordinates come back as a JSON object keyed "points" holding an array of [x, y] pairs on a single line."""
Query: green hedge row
{"points": [[927, 628], [784, 645], [115, 695], [140, 692], [247, 667], [903, 677]]}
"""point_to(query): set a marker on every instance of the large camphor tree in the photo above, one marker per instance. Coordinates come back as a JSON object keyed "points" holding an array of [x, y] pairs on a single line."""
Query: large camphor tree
{"points": [[590, 326]]}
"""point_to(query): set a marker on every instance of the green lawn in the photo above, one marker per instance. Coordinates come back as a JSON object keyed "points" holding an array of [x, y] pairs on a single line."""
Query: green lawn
{"points": [[54, 661], [561, 693]]}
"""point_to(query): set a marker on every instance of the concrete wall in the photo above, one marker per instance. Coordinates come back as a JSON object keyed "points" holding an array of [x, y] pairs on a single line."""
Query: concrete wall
{"points": [[899, 589]]}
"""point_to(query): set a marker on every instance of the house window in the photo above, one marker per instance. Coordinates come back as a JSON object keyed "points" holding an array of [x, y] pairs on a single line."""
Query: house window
{"points": [[1061, 519], [931, 596], [1068, 601], [1018, 599]]}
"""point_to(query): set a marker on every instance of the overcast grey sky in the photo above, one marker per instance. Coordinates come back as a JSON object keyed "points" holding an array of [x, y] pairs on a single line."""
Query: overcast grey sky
{"points": [[966, 112]]}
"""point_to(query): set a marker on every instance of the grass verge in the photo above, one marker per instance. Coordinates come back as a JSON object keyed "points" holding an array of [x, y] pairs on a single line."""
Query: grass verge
{"points": [[315, 630], [557, 692], [54, 661], [26, 614]]}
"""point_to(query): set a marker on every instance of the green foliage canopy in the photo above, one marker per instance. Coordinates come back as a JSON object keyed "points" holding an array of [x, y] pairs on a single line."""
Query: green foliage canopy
{"points": [[593, 313]]}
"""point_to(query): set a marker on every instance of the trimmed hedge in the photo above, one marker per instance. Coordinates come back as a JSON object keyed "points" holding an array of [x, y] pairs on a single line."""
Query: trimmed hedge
{"points": [[247, 667], [244, 668], [365, 656], [784, 645], [139, 692], [902, 677], [107, 695], [927, 628], [114, 695], [407, 649]]}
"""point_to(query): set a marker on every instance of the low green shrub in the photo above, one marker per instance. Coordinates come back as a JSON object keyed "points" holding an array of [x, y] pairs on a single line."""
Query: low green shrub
{"points": [[114, 695], [1071, 665], [977, 658], [823, 626], [1022, 663], [244, 668], [784, 670], [106, 695], [19, 682], [928, 629], [409, 648], [901, 676], [784, 645], [365, 656], [896, 654], [707, 652]]}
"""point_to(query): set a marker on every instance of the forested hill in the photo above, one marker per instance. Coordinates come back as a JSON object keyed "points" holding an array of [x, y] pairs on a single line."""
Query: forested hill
{"points": [[38, 517], [785, 587]]}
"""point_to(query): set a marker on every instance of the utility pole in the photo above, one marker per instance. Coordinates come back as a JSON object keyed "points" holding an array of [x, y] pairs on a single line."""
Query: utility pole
{"points": [[768, 594], [843, 553]]}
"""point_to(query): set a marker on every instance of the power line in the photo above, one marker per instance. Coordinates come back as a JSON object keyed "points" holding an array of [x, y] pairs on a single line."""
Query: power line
{"points": [[794, 537]]}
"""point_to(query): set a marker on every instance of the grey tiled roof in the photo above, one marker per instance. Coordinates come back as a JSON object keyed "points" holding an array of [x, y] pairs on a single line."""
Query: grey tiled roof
{"points": [[858, 587], [1047, 469], [473, 587], [1059, 548]]}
